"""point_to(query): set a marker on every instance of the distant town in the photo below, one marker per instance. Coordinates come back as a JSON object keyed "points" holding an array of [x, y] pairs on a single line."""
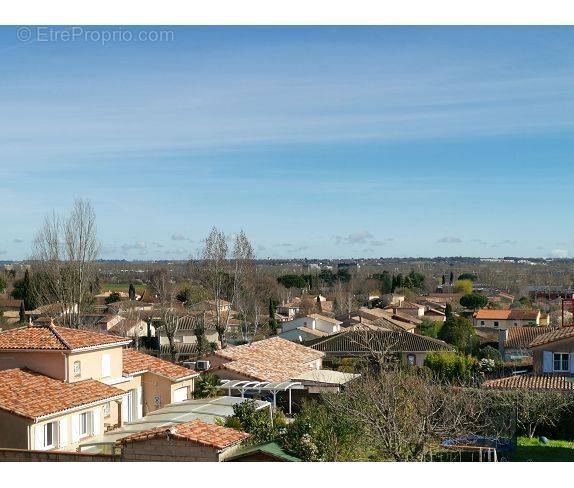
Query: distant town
{"points": [[231, 358]]}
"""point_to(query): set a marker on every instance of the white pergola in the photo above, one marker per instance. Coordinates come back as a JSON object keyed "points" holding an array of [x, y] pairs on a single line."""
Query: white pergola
{"points": [[262, 386]]}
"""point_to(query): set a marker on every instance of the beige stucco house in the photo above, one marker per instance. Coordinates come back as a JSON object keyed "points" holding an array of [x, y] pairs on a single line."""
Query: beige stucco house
{"points": [[61, 386], [503, 319]]}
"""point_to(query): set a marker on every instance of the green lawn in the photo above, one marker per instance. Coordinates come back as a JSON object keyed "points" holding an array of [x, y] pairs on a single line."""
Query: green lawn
{"points": [[533, 450], [105, 286]]}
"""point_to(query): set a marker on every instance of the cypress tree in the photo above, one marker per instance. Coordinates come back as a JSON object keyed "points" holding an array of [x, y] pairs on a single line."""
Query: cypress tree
{"points": [[448, 310], [22, 312], [132, 292]]}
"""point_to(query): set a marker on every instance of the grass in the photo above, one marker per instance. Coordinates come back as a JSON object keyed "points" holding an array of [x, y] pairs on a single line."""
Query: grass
{"points": [[534, 450], [105, 286]]}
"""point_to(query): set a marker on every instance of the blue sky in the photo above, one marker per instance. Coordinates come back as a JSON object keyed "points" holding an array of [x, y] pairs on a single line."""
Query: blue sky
{"points": [[318, 142]]}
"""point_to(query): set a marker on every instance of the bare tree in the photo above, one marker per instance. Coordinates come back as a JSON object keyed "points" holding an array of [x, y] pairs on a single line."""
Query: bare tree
{"points": [[406, 415], [64, 256], [226, 277], [536, 408], [162, 287], [214, 270], [170, 325]]}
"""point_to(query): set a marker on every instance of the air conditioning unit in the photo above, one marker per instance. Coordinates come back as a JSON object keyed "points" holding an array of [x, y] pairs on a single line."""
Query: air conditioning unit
{"points": [[189, 364], [202, 365]]}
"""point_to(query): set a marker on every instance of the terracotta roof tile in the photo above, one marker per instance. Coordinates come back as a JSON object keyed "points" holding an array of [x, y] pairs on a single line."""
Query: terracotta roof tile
{"points": [[492, 314], [521, 337], [137, 362], [273, 359], [553, 336], [195, 431], [54, 337], [532, 382], [507, 314], [33, 395]]}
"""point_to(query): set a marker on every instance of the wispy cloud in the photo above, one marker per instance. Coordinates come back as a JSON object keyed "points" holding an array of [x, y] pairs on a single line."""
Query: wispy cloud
{"points": [[449, 240]]}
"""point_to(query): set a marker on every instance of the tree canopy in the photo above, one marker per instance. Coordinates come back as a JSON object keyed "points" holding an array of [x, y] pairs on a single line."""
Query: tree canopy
{"points": [[458, 332], [463, 286], [474, 301]]}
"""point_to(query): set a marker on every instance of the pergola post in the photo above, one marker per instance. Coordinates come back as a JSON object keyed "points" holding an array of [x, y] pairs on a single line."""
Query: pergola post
{"points": [[274, 399], [289, 401]]}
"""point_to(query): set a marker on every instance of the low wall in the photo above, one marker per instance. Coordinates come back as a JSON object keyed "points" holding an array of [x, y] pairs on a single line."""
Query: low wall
{"points": [[23, 455]]}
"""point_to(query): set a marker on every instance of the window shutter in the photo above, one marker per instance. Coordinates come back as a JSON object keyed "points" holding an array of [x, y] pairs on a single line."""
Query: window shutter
{"points": [[572, 362], [125, 415], [75, 428], [96, 421], [63, 433], [38, 437], [106, 366], [547, 366], [139, 403]]}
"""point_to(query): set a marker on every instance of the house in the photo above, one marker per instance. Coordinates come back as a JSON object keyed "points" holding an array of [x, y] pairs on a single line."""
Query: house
{"points": [[502, 319], [212, 306], [409, 348], [289, 310], [9, 309], [190, 441], [382, 317], [273, 359], [553, 352], [514, 342], [185, 333], [309, 327], [133, 328], [408, 308], [62, 386], [209, 410], [553, 364]]}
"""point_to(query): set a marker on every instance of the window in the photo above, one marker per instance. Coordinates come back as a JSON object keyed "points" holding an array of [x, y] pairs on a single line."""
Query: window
{"points": [[482, 322], [49, 437], [411, 359], [77, 369], [496, 324], [85, 424], [107, 409], [561, 361]]}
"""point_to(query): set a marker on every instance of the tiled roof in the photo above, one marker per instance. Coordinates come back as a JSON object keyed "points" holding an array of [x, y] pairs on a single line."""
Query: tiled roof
{"points": [[493, 314], [314, 332], [137, 362], [532, 382], [324, 318], [553, 336], [273, 359], [523, 314], [54, 337], [521, 337], [195, 431], [507, 314], [33, 395], [10, 302], [361, 342]]}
